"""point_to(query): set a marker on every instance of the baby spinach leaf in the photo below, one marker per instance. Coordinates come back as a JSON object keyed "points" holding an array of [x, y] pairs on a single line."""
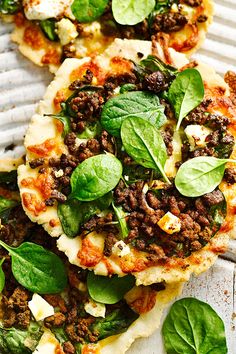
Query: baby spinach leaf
{"points": [[2, 276], [10, 6], [37, 269], [17, 341], [88, 10], [74, 213], [200, 175], [49, 29], [140, 104], [193, 327], [95, 177], [109, 290], [185, 93], [118, 321], [64, 120], [131, 12], [127, 87], [144, 143], [120, 214], [5, 207], [155, 64]]}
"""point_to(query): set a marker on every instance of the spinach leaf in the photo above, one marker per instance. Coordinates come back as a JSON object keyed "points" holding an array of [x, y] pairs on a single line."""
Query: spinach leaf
{"points": [[193, 327], [91, 131], [120, 214], [95, 177], [74, 213], [109, 290], [2, 276], [17, 341], [144, 143], [62, 337], [10, 6], [118, 321], [131, 12], [155, 64], [10, 178], [185, 93], [218, 213], [49, 29], [200, 175], [140, 104], [65, 120], [88, 10], [5, 207], [127, 87], [37, 269]]}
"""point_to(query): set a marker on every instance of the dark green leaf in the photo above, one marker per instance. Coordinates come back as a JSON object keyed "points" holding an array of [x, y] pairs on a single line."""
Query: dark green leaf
{"points": [[64, 120], [16, 341], [62, 337], [95, 177], [10, 6], [49, 29], [144, 143], [140, 104], [200, 175], [154, 64], [193, 327], [5, 206], [131, 12], [2, 276], [37, 269], [109, 290], [116, 322], [218, 213], [185, 93], [120, 214], [88, 10], [74, 213], [8, 177]]}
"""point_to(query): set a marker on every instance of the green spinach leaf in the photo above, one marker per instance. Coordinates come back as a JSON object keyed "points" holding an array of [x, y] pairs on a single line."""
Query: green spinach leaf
{"points": [[10, 178], [193, 327], [65, 120], [95, 177], [49, 29], [132, 104], [91, 131], [37, 269], [10, 6], [120, 214], [88, 10], [155, 64], [200, 175], [17, 341], [185, 93], [2, 276], [118, 321], [109, 290], [74, 213], [144, 143], [127, 87], [5, 207], [131, 12]]}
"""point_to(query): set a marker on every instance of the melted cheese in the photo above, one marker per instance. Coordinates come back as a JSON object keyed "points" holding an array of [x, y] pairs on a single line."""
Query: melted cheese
{"points": [[40, 308], [44, 9]]}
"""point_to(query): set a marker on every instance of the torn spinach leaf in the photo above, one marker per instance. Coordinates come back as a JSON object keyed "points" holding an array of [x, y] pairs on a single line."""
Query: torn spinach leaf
{"points": [[116, 322], [6, 205], [91, 131], [8, 7], [74, 213], [120, 214], [16, 341], [49, 29], [152, 64]]}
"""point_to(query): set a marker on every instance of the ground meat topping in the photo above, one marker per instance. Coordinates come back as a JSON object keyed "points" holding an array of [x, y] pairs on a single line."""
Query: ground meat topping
{"points": [[230, 175], [169, 22]]}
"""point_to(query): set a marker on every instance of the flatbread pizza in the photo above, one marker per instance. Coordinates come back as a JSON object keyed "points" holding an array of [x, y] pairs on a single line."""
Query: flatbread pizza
{"points": [[130, 162], [47, 32], [36, 318]]}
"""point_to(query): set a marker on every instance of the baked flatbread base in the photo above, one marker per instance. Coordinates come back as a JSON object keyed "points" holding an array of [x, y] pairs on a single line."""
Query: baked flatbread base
{"points": [[43, 128]]}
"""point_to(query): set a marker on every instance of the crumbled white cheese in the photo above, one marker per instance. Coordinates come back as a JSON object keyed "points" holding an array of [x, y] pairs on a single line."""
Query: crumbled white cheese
{"points": [[95, 309], [156, 184], [174, 8], [170, 223], [196, 135], [40, 308], [59, 173], [43, 9], [145, 188], [120, 249], [66, 31], [48, 344]]}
